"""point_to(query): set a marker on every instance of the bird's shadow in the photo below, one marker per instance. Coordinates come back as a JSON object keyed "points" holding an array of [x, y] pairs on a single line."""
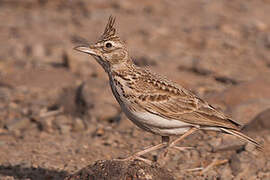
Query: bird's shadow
{"points": [[19, 172]]}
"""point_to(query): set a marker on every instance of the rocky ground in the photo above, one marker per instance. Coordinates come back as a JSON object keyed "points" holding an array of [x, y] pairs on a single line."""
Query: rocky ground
{"points": [[58, 115]]}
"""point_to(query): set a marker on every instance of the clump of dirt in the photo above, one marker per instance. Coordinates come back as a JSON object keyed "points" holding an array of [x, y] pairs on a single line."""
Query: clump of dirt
{"points": [[120, 170]]}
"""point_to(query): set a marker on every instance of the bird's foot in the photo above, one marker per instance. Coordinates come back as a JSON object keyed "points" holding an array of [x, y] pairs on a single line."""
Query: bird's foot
{"points": [[177, 148], [182, 148], [203, 170]]}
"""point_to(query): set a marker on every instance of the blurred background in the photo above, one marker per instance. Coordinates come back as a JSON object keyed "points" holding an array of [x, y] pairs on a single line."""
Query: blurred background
{"points": [[57, 112]]}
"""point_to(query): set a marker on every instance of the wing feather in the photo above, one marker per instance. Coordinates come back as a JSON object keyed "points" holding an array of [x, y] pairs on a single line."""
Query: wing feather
{"points": [[180, 103]]}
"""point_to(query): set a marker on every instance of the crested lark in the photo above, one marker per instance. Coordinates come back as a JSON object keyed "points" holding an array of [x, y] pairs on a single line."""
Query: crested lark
{"points": [[152, 102]]}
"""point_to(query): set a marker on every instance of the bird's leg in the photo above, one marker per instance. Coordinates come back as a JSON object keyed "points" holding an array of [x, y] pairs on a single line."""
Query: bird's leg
{"points": [[173, 143], [164, 143], [189, 132], [216, 162], [165, 139]]}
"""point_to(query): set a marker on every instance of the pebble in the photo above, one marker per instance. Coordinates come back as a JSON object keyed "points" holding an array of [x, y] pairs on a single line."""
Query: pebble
{"points": [[18, 124], [235, 164], [99, 132], [63, 123], [226, 173], [78, 125], [261, 26], [65, 129]]}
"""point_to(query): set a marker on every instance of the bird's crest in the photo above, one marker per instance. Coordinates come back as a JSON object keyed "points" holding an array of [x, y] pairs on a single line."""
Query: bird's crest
{"points": [[109, 31]]}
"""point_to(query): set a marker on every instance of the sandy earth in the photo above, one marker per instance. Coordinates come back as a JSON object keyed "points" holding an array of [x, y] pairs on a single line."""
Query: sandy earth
{"points": [[58, 115]]}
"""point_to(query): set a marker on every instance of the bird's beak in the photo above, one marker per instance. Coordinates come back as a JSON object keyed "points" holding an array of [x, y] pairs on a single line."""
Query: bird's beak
{"points": [[86, 49]]}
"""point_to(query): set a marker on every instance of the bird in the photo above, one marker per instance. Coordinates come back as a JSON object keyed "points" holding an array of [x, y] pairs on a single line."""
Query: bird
{"points": [[151, 101]]}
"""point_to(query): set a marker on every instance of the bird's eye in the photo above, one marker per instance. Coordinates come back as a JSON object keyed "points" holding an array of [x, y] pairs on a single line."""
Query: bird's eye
{"points": [[108, 45]]}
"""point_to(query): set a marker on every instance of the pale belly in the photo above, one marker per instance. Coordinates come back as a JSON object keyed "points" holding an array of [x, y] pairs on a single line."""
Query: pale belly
{"points": [[158, 125]]}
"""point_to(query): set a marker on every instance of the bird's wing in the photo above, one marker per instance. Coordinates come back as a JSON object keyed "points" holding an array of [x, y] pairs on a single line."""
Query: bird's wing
{"points": [[169, 100]]}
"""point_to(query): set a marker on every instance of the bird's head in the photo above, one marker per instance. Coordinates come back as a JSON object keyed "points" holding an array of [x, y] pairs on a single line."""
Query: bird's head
{"points": [[109, 50]]}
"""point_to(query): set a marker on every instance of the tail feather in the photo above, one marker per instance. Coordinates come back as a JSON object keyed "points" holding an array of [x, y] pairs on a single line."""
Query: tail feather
{"points": [[243, 136]]}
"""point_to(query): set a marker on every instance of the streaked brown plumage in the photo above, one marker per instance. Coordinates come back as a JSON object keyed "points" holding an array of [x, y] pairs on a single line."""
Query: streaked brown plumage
{"points": [[152, 102]]}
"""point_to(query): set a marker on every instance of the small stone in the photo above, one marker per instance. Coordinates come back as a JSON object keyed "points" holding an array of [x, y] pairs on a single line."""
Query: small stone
{"points": [[25, 111], [261, 26], [99, 132], [47, 124], [18, 124], [264, 175], [38, 50], [2, 143], [65, 129], [235, 164], [63, 122], [228, 29], [226, 173], [78, 125], [215, 142]]}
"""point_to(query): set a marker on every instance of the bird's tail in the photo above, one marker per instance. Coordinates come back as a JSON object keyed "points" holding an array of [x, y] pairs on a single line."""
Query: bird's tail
{"points": [[243, 136]]}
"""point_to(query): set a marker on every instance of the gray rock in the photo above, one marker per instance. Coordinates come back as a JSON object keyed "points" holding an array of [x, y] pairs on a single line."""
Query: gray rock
{"points": [[260, 122], [247, 111]]}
